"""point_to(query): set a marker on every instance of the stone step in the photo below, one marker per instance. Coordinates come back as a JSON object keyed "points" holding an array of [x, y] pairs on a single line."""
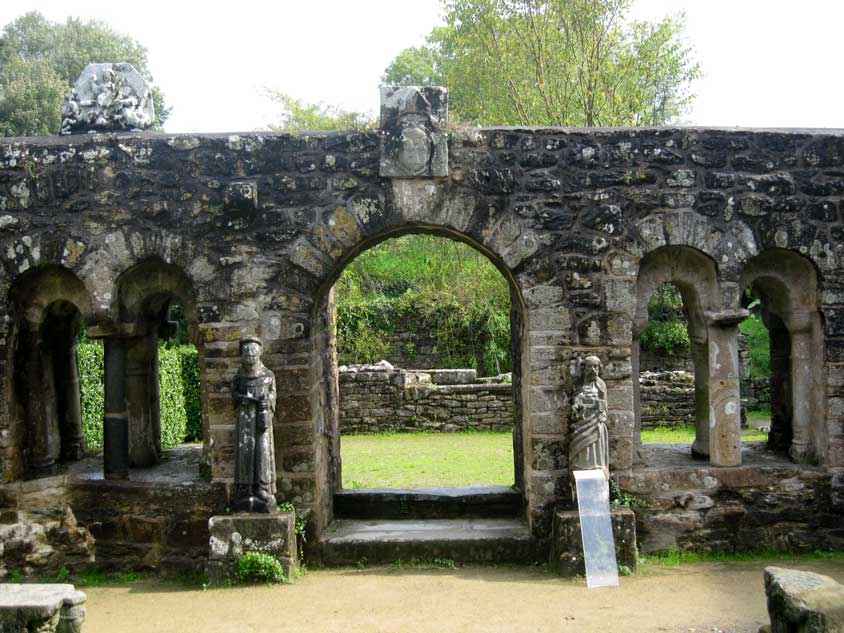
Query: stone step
{"points": [[348, 541], [428, 503]]}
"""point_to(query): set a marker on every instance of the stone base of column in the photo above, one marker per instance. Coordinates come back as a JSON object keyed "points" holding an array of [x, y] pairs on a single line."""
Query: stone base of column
{"points": [[567, 544]]}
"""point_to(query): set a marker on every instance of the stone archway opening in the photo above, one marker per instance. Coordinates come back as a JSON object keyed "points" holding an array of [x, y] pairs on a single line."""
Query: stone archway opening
{"points": [[425, 390], [781, 287], [677, 285], [50, 306]]}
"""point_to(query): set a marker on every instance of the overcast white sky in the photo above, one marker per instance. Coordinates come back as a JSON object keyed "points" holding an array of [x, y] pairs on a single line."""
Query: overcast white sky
{"points": [[767, 63]]}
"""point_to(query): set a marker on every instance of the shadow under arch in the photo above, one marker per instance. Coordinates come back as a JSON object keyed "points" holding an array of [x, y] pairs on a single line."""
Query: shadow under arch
{"points": [[786, 284], [49, 305], [144, 295], [695, 275], [325, 395]]}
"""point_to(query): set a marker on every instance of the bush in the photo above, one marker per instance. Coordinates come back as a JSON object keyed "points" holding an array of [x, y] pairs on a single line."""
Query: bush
{"points": [[759, 342], [189, 359], [260, 567], [173, 416], [90, 358], [181, 405], [669, 336]]}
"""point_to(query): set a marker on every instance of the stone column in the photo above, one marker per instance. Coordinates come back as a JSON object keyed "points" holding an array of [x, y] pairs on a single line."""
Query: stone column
{"points": [[637, 402], [143, 400], [700, 357], [724, 390], [44, 439], [116, 418], [70, 397], [802, 399]]}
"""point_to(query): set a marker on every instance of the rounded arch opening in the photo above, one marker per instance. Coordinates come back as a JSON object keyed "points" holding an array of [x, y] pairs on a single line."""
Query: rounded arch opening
{"points": [[415, 383], [780, 287], [156, 326], [49, 307], [676, 286]]}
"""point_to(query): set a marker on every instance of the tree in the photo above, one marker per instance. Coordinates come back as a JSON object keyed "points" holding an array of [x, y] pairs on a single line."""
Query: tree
{"points": [[40, 61], [554, 62], [297, 116]]}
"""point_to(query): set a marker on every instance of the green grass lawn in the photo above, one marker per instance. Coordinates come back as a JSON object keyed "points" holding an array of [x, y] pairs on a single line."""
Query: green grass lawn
{"points": [[424, 460], [685, 434]]}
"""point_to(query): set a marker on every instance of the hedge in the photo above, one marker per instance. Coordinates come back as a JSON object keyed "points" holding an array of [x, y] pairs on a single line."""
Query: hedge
{"points": [[178, 378]]}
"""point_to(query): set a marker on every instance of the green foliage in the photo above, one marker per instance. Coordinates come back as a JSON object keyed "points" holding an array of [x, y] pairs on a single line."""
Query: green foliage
{"points": [[181, 406], [40, 60], [298, 116], [554, 62], [98, 578], [91, 370], [189, 364], [667, 329], [424, 563], [423, 280], [620, 498], [286, 506], [675, 558], [172, 411], [669, 336], [759, 342], [260, 567]]}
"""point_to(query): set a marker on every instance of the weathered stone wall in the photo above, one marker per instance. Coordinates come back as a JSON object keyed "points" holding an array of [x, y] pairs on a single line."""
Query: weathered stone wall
{"points": [[764, 505], [259, 226], [667, 398], [381, 399]]}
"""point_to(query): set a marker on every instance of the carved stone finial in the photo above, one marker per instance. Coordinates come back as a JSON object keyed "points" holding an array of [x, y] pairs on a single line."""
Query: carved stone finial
{"points": [[108, 97], [413, 136]]}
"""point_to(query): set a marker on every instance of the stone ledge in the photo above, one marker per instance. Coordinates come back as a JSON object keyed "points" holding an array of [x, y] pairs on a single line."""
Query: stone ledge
{"points": [[803, 602], [46, 608]]}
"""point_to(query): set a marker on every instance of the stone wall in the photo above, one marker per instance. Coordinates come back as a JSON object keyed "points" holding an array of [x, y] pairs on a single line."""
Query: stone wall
{"points": [[249, 232], [667, 398], [382, 399]]}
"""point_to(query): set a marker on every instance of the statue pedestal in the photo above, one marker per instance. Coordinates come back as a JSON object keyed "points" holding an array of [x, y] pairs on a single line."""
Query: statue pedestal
{"points": [[233, 535], [567, 544]]}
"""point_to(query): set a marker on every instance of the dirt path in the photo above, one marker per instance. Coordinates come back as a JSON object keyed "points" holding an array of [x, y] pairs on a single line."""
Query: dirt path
{"points": [[702, 597]]}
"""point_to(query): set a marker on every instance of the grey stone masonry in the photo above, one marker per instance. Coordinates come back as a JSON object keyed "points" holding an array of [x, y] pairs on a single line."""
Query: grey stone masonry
{"points": [[803, 602], [54, 608], [382, 399], [667, 397]]}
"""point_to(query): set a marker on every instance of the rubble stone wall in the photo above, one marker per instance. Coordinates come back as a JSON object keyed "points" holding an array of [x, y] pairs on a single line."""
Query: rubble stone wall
{"points": [[667, 398], [375, 399], [259, 226]]}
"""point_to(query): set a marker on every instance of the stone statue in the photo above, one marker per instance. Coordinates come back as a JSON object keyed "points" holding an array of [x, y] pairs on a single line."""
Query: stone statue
{"points": [[254, 395], [589, 447], [108, 97]]}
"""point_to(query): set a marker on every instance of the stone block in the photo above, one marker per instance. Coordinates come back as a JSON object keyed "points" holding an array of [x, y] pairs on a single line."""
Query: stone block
{"points": [[235, 534], [567, 544], [45, 608], [803, 602], [414, 142]]}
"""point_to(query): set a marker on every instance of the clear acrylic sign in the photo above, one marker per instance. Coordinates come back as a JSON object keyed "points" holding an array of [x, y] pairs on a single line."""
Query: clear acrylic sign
{"points": [[593, 503]]}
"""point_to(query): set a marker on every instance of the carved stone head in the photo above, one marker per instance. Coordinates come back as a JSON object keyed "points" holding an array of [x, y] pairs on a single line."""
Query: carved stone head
{"points": [[591, 368], [250, 352]]}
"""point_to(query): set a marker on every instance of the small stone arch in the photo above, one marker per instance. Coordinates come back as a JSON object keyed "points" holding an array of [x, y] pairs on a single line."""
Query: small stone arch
{"points": [[696, 277], [143, 295], [49, 305], [786, 283]]}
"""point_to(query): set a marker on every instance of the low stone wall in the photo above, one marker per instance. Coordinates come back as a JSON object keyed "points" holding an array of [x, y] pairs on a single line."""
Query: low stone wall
{"points": [[667, 398], [382, 399], [767, 503], [756, 393]]}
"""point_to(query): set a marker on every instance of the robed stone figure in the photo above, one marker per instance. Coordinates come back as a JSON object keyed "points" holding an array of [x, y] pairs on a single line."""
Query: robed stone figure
{"points": [[254, 396], [589, 447]]}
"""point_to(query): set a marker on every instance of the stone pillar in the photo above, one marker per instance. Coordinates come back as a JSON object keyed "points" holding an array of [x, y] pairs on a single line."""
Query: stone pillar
{"points": [[116, 418], [802, 398], [142, 396], [70, 400], [637, 402], [724, 390], [44, 439], [700, 357]]}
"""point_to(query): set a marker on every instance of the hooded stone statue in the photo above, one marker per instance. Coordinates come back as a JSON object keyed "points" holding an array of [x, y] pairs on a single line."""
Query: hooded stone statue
{"points": [[254, 396]]}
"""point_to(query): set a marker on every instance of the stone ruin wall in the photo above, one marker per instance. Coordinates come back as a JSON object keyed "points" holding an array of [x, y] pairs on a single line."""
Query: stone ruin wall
{"points": [[257, 227], [382, 399]]}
